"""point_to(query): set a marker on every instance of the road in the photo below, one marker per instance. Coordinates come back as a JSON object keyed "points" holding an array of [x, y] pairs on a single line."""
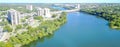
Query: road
{"points": [[57, 12]]}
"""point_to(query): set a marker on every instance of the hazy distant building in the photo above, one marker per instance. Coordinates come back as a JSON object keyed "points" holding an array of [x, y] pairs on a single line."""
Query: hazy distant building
{"points": [[47, 12], [14, 17], [29, 7], [77, 6], [40, 12], [44, 12]]}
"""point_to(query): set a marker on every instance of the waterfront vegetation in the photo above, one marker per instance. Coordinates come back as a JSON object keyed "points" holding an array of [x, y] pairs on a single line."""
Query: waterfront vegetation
{"points": [[46, 28], [110, 13]]}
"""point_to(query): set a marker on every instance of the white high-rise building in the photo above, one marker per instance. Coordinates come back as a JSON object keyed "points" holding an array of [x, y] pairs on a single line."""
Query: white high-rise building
{"points": [[78, 6], [47, 13], [40, 12], [29, 7], [14, 17], [44, 12]]}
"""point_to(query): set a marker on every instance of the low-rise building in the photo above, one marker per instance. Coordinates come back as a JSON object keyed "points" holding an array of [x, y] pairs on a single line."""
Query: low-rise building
{"points": [[0, 20], [1, 32], [31, 21]]}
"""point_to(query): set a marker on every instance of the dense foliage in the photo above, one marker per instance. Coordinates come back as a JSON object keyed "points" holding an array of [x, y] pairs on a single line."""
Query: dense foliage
{"points": [[8, 28], [110, 13], [44, 29], [4, 8], [38, 18], [24, 10]]}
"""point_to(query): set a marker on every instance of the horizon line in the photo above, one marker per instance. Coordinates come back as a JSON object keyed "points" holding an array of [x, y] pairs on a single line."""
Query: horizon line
{"points": [[60, 3]]}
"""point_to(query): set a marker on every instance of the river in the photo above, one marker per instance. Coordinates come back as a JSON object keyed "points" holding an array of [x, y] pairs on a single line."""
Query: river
{"points": [[81, 30]]}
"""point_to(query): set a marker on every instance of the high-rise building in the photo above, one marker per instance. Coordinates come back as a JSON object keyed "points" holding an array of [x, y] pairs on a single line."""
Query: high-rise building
{"points": [[47, 12], [40, 12], [44, 12], [78, 6], [13, 17], [29, 7]]}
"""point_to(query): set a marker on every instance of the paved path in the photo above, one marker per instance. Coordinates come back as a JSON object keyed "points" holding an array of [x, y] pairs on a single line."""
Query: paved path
{"points": [[56, 12], [5, 36]]}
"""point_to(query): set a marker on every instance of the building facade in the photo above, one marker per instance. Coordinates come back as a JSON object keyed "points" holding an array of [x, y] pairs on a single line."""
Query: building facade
{"points": [[0, 20], [13, 17], [45, 12], [40, 12], [1, 32], [78, 6]]}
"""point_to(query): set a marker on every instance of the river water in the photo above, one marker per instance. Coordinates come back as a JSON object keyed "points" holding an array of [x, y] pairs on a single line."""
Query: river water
{"points": [[81, 30]]}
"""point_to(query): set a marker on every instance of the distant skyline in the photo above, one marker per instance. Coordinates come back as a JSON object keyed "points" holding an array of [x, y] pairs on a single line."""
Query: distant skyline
{"points": [[59, 1]]}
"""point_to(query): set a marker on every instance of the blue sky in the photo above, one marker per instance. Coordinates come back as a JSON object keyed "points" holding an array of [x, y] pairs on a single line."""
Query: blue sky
{"points": [[59, 1]]}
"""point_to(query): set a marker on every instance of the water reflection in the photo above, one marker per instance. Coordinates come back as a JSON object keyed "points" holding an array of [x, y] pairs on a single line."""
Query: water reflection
{"points": [[49, 36], [40, 40]]}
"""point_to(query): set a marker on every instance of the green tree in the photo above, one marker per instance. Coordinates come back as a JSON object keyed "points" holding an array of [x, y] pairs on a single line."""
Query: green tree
{"points": [[8, 28]]}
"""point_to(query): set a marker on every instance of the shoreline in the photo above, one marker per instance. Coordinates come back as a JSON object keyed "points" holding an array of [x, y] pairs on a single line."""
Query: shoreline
{"points": [[46, 28], [46, 34], [113, 27]]}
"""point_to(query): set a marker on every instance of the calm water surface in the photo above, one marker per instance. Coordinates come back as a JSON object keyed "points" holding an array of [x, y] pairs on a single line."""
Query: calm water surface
{"points": [[81, 30]]}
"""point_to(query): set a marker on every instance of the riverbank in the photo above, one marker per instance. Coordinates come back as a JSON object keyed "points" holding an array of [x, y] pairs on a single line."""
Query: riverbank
{"points": [[109, 15], [81, 30], [46, 28]]}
